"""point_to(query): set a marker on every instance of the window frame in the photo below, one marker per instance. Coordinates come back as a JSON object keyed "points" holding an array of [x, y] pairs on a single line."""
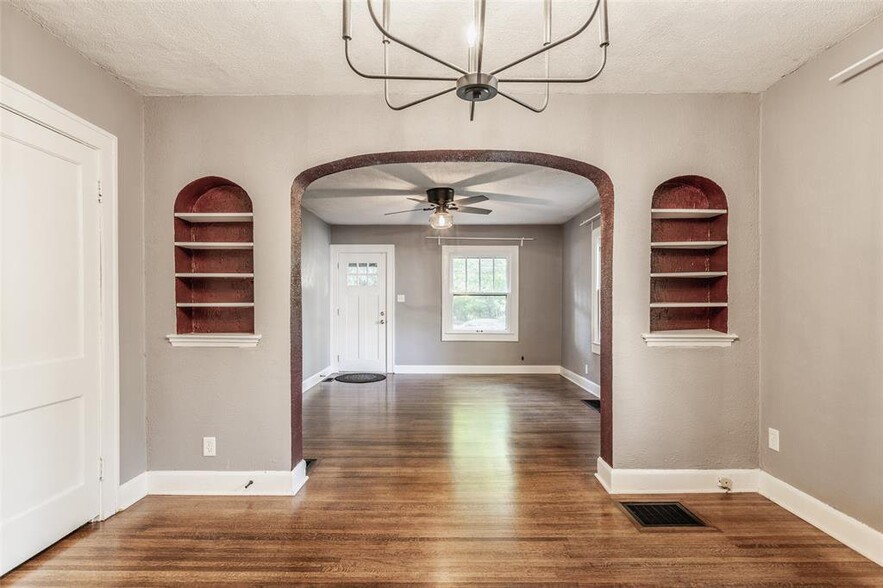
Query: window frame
{"points": [[596, 288], [449, 252]]}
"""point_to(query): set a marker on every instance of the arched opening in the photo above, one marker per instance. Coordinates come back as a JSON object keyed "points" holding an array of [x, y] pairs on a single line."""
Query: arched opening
{"points": [[593, 174]]}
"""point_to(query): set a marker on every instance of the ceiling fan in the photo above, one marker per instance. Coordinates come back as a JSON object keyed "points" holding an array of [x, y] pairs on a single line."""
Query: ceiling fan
{"points": [[441, 201]]}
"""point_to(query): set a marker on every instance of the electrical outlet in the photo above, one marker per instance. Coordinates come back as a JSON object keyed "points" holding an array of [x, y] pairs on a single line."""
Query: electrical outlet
{"points": [[400, 297], [587, 369], [209, 447], [725, 483], [774, 439]]}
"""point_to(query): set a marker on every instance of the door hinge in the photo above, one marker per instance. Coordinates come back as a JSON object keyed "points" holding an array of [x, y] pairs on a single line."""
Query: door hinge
{"points": [[100, 194], [100, 469], [338, 312]]}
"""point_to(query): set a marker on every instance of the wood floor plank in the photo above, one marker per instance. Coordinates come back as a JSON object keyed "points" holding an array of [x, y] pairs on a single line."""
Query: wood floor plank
{"points": [[453, 480]]}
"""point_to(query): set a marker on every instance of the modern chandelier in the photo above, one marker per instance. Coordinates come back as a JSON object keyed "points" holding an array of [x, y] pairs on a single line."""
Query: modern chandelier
{"points": [[476, 83]]}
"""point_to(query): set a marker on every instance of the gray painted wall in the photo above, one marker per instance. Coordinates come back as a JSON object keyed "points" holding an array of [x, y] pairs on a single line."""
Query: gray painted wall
{"points": [[576, 292], [419, 277], [316, 288], [675, 408], [822, 280], [43, 64]]}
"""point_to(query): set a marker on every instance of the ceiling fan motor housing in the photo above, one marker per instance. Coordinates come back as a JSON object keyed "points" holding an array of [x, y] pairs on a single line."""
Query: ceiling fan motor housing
{"points": [[440, 196], [477, 87]]}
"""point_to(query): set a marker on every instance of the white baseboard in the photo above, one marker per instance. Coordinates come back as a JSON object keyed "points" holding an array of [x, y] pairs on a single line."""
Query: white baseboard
{"points": [[584, 383], [477, 369], [132, 491], [842, 527], [637, 481], [222, 483], [316, 378], [604, 475]]}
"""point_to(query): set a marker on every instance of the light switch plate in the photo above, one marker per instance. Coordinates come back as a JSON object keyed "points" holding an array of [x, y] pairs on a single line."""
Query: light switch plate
{"points": [[774, 439], [209, 447]]}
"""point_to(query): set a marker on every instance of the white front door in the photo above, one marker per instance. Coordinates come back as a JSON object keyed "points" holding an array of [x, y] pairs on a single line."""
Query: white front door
{"points": [[361, 312], [49, 350]]}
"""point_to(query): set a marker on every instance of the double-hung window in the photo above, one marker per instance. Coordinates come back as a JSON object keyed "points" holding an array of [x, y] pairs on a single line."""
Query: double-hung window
{"points": [[479, 293]]}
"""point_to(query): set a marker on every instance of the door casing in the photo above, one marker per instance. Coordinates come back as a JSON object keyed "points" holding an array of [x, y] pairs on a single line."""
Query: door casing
{"points": [[21, 101], [390, 252]]}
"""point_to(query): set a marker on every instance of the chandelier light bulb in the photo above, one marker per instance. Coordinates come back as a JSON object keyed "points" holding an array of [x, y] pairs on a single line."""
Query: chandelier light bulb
{"points": [[441, 220], [471, 35]]}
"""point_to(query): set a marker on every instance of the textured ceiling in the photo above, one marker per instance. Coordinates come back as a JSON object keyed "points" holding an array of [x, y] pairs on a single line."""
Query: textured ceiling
{"points": [[519, 193], [164, 47]]}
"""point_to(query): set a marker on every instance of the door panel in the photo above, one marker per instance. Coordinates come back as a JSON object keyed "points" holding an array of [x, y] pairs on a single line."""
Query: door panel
{"points": [[49, 338], [362, 317]]}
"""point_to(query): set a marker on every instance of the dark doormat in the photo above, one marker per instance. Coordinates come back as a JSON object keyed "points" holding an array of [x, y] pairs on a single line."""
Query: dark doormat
{"points": [[661, 515], [592, 403], [360, 378]]}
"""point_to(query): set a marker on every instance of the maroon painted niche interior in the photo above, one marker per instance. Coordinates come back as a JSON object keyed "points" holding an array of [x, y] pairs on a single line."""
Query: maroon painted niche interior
{"points": [[214, 235], [688, 259]]}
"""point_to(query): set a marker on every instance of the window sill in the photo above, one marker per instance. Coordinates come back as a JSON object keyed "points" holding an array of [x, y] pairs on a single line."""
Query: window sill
{"points": [[499, 337], [242, 340], [689, 338]]}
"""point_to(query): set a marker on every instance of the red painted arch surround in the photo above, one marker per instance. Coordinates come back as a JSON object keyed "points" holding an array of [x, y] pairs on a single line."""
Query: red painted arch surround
{"points": [[593, 174]]}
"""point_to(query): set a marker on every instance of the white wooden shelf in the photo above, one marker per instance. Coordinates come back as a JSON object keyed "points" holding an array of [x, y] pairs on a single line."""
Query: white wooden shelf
{"points": [[216, 217], [230, 275], [211, 245], [688, 305], [688, 274], [689, 338], [214, 340], [215, 304], [687, 244], [686, 213]]}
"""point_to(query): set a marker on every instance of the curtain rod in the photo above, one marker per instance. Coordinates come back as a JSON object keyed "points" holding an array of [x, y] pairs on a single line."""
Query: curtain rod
{"points": [[585, 222], [440, 239]]}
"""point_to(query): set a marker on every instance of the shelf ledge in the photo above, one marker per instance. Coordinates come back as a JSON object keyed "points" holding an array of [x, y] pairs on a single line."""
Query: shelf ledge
{"points": [[241, 340], [687, 244], [215, 217], [230, 275], [686, 213], [697, 275], [214, 245], [688, 305], [689, 338]]}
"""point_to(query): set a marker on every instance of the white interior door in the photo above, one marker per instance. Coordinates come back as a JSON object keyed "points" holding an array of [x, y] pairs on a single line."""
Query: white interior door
{"points": [[49, 348], [361, 314]]}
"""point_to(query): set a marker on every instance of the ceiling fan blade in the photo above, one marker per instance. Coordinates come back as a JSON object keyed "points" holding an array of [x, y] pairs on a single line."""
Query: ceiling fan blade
{"points": [[474, 210], [421, 200], [470, 200], [404, 211]]}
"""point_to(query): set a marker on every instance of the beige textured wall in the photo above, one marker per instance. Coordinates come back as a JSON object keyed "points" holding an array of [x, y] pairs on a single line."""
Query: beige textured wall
{"points": [[419, 277], [674, 408], [315, 273], [41, 63], [822, 280], [576, 293]]}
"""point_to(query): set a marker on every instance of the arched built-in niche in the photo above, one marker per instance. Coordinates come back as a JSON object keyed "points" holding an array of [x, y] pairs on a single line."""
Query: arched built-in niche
{"points": [[688, 264], [214, 265]]}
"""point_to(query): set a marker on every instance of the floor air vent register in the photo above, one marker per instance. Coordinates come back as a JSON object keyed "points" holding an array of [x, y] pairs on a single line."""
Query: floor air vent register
{"points": [[662, 515]]}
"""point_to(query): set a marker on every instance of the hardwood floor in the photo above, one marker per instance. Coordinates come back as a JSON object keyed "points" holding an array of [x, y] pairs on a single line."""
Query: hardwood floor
{"points": [[446, 479]]}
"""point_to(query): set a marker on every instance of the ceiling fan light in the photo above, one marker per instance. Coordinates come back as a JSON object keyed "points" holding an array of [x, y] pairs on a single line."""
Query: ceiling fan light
{"points": [[441, 220]]}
